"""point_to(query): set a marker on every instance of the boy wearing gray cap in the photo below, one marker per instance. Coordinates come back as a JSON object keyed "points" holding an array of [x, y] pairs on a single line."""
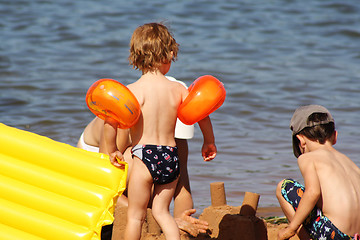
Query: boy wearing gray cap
{"points": [[328, 206]]}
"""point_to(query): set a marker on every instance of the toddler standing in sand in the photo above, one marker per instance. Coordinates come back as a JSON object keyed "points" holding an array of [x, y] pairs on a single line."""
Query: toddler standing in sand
{"points": [[328, 206], [155, 158], [91, 139]]}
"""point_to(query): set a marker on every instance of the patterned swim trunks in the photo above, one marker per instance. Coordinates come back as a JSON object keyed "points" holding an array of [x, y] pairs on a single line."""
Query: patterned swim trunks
{"points": [[161, 161]]}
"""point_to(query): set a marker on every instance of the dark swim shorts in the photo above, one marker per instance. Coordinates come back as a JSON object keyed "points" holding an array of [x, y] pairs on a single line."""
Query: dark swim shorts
{"points": [[161, 161], [316, 224]]}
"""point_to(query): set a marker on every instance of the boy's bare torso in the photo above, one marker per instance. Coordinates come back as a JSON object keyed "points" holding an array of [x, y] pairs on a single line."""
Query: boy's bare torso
{"points": [[339, 180], [159, 99]]}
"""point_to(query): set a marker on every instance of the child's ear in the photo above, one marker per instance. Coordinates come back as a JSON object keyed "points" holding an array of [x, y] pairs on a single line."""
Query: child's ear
{"points": [[335, 137], [302, 141]]}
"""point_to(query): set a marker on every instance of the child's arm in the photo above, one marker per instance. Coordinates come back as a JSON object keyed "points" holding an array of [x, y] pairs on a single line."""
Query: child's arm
{"points": [[110, 133], [123, 139], [310, 196], [208, 150]]}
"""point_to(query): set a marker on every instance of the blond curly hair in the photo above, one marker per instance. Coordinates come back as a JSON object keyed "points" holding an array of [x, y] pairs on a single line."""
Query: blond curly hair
{"points": [[151, 45]]}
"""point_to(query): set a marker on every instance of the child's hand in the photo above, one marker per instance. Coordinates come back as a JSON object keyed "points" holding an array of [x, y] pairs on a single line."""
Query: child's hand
{"points": [[115, 157], [285, 233], [191, 225], [208, 151]]}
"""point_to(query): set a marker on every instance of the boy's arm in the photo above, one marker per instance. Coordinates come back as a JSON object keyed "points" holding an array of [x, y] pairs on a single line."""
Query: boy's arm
{"points": [[208, 150], [110, 132], [123, 139], [310, 196]]}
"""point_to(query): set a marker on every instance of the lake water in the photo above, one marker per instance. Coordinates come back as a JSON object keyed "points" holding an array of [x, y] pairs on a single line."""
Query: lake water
{"points": [[272, 57]]}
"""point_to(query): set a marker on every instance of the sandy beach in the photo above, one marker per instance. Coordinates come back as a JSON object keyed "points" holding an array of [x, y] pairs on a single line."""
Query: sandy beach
{"points": [[275, 220], [245, 222], [225, 223]]}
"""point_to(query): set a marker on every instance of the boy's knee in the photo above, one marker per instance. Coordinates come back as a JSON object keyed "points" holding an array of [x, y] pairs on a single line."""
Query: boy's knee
{"points": [[155, 212], [140, 218], [136, 215], [158, 213], [278, 189]]}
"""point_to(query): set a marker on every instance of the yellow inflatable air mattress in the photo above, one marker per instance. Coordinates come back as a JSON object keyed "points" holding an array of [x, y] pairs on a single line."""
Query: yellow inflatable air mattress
{"points": [[51, 190]]}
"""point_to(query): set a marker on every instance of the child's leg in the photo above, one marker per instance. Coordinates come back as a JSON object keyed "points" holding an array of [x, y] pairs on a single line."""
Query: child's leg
{"points": [[160, 209], [139, 190], [183, 202], [286, 207], [182, 198], [289, 211]]}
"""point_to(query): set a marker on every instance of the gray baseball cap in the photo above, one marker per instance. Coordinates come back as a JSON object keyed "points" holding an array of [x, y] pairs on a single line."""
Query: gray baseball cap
{"points": [[299, 121]]}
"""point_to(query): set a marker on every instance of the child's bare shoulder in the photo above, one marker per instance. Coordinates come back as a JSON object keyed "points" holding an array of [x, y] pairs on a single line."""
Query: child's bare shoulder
{"points": [[313, 157], [177, 85], [134, 86]]}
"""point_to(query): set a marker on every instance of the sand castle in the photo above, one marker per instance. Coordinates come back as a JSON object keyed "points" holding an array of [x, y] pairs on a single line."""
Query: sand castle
{"points": [[225, 222]]}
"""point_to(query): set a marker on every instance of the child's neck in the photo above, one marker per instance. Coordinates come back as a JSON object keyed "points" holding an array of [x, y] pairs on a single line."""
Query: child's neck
{"points": [[154, 73], [152, 76], [163, 69], [315, 145]]}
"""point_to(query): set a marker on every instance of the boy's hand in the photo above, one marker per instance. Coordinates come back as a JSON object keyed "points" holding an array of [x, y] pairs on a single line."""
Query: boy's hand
{"points": [[208, 151], [190, 224], [285, 233], [115, 157]]}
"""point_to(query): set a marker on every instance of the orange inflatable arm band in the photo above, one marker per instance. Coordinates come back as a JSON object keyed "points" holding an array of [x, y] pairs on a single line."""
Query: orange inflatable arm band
{"points": [[109, 98], [206, 94]]}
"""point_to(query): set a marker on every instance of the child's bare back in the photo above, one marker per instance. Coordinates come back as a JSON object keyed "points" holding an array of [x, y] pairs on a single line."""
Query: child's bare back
{"points": [[339, 180], [159, 99]]}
